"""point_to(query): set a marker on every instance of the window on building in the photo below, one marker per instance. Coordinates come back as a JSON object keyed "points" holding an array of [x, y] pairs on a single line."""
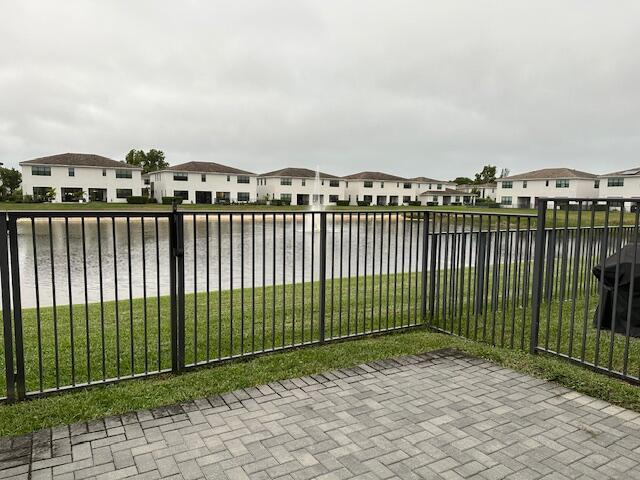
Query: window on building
{"points": [[228, 178], [434, 199], [41, 171], [123, 174], [596, 184], [104, 172], [406, 199], [615, 182], [72, 172], [334, 183], [439, 186], [123, 192], [286, 197], [457, 199], [203, 177], [40, 192], [546, 183], [180, 177], [243, 196], [333, 198], [507, 184], [381, 184], [285, 181], [368, 184], [506, 201], [524, 184], [243, 179], [562, 183], [407, 185], [304, 182], [183, 194]]}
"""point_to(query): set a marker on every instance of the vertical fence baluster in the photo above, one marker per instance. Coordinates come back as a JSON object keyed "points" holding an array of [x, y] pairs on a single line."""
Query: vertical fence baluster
{"points": [[6, 310], [538, 274]]}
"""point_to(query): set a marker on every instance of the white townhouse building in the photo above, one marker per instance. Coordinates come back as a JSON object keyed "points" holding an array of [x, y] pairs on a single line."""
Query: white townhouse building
{"points": [[203, 182], [521, 191], [622, 184], [447, 196], [430, 191], [299, 186], [484, 190], [379, 188], [81, 176]]}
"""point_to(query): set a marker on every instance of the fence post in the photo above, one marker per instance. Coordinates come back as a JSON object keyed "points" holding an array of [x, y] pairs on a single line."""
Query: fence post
{"points": [[481, 259], [17, 308], [538, 273], [323, 275], [435, 238], [6, 309], [176, 279], [425, 252]]}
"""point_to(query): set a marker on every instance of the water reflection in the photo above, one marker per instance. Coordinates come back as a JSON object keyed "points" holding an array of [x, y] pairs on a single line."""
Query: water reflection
{"points": [[76, 261]]}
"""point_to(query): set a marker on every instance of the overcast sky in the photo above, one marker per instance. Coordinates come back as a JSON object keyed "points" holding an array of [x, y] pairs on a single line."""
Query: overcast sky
{"points": [[408, 87]]}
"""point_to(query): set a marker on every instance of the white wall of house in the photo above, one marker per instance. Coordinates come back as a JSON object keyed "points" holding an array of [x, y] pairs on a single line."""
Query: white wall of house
{"points": [[86, 178], [383, 192], [610, 187], [446, 198], [168, 183], [483, 190], [523, 193], [277, 188]]}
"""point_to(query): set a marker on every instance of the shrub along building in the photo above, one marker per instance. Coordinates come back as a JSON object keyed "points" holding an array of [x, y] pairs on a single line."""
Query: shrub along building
{"points": [[80, 176], [299, 186], [522, 190], [622, 184], [203, 182]]}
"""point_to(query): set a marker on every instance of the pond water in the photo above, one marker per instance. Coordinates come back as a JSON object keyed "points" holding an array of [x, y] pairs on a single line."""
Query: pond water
{"points": [[130, 258]]}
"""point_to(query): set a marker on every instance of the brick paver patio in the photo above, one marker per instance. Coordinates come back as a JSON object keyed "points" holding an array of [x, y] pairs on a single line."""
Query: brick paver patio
{"points": [[438, 415]]}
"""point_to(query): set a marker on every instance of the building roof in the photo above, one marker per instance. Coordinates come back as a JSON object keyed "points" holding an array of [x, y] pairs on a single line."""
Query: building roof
{"points": [[624, 173], [373, 176], [79, 160], [297, 173], [208, 167], [549, 174], [427, 180], [447, 191]]}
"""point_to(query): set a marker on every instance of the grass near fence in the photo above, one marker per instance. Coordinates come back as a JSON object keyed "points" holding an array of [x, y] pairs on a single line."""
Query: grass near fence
{"points": [[84, 405], [135, 339], [282, 322]]}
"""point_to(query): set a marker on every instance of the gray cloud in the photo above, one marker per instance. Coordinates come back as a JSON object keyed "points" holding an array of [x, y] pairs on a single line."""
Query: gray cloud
{"points": [[411, 87]]}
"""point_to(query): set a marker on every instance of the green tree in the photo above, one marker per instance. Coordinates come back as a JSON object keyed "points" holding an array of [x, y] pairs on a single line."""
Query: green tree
{"points": [[11, 180], [149, 162], [487, 175], [462, 180]]}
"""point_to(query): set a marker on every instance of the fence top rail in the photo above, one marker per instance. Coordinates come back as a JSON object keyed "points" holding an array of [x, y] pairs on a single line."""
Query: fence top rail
{"points": [[17, 214], [35, 214], [498, 213], [589, 199]]}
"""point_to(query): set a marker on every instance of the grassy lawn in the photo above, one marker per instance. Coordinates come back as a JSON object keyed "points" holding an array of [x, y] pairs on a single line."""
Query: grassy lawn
{"points": [[283, 322], [170, 389]]}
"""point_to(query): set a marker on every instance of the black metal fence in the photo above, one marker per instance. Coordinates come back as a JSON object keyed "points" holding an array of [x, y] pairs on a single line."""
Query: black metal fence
{"points": [[95, 297], [586, 301]]}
